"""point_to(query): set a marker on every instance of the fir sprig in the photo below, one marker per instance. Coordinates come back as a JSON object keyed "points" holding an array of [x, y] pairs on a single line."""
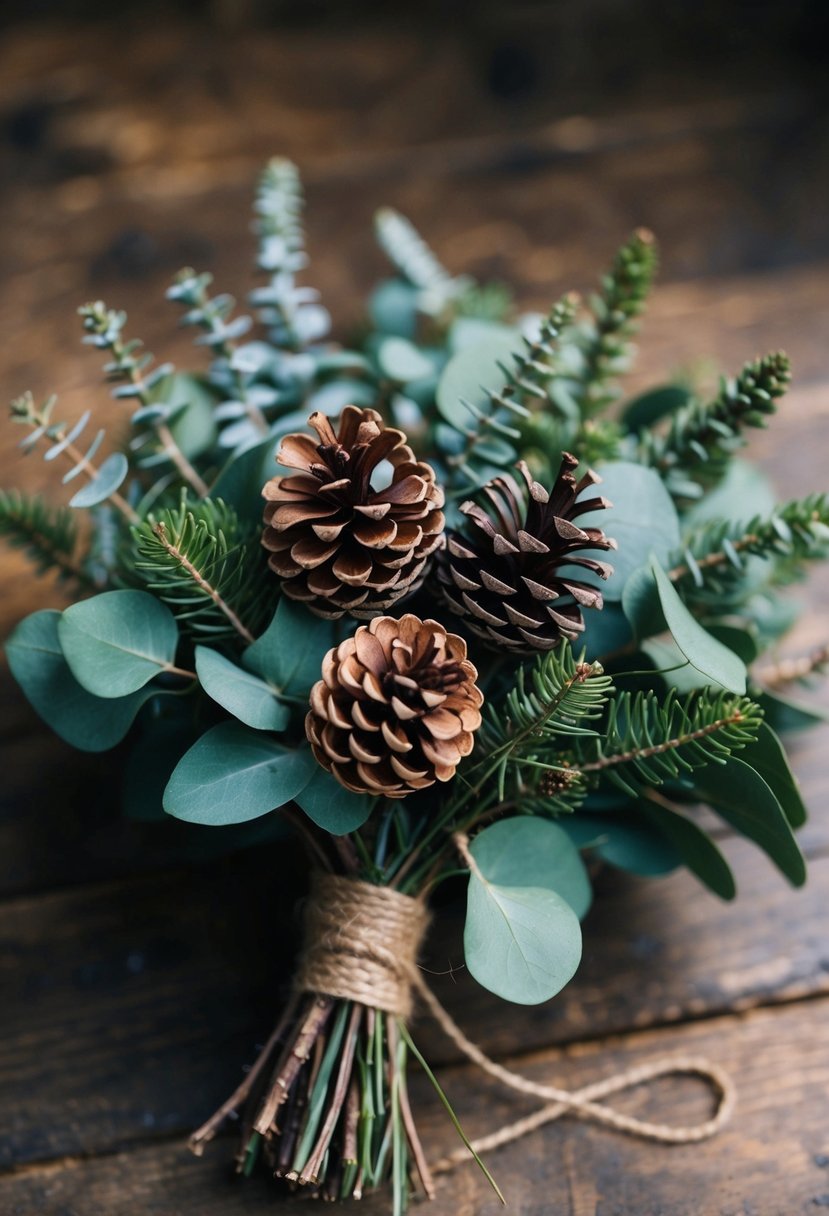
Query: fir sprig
{"points": [[524, 391], [707, 433], [416, 262], [604, 341], [711, 567], [648, 740], [132, 371], [207, 566], [49, 535]]}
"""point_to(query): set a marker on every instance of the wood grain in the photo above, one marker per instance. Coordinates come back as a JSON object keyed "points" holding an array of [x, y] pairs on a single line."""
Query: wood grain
{"points": [[773, 1160]]}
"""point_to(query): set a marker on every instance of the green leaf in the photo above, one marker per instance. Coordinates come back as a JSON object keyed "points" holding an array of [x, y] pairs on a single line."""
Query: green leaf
{"points": [[473, 331], [767, 756], [118, 641], [241, 479], [402, 361], [106, 481], [741, 796], [470, 376], [332, 806], [643, 520], [90, 723], [624, 841], [289, 653], [192, 402], [245, 696], [232, 774], [393, 308], [652, 604], [672, 665], [652, 406], [696, 848], [742, 493], [522, 940]]}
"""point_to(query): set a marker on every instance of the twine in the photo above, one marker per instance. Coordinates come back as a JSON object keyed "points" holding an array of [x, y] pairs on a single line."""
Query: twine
{"points": [[361, 944]]}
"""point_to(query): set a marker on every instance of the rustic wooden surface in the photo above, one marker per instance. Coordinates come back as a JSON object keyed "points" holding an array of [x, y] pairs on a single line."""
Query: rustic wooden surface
{"points": [[137, 976]]}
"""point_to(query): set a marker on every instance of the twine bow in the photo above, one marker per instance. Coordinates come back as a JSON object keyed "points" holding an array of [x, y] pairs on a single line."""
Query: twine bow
{"points": [[361, 945]]}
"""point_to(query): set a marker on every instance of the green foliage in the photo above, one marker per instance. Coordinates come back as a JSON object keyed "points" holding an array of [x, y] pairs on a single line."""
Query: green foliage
{"points": [[207, 565], [233, 774], [48, 534], [86, 721], [437, 291], [118, 641], [648, 740], [701, 437], [604, 342], [332, 807], [527, 889], [245, 696], [103, 481], [291, 313], [289, 653], [711, 568]]}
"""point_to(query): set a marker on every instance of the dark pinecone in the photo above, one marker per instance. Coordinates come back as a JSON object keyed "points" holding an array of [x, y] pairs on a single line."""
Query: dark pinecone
{"points": [[339, 544], [396, 708], [509, 580]]}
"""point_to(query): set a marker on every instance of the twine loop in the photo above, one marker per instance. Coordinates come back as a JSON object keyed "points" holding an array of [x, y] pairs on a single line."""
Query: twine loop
{"points": [[361, 944]]}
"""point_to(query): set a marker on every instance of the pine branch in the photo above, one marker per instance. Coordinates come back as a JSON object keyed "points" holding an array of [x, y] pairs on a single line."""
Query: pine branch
{"points": [[292, 313], [211, 315], [651, 741], [62, 440], [47, 534], [704, 433], [207, 566], [711, 567], [605, 343], [129, 369], [525, 390]]}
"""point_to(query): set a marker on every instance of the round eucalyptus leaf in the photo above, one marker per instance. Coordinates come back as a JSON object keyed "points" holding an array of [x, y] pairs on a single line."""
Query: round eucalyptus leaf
{"points": [[118, 641], [109, 477], [471, 375], [245, 696], [331, 806], [401, 361]]}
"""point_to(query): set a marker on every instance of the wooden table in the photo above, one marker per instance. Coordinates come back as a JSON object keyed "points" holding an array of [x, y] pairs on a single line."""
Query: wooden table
{"points": [[136, 981]]}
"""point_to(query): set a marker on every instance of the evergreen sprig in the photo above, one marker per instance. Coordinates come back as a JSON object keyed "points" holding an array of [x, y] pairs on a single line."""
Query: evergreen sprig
{"points": [[207, 566], [416, 262], [706, 434], [135, 377], [292, 314], [711, 567], [524, 392], [605, 340], [49, 535], [648, 740]]}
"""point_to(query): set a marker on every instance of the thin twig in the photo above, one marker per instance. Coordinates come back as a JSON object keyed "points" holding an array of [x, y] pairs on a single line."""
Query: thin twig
{"points": [[312, 1166], [788, 671], [657, 749]]}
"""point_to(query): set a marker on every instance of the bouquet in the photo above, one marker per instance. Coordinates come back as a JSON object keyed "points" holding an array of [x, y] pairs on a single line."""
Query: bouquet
{"points": [[439, 602]]}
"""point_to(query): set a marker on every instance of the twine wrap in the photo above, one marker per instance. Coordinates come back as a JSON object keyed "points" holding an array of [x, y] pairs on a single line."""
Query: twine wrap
{"points": [[361, 943]]}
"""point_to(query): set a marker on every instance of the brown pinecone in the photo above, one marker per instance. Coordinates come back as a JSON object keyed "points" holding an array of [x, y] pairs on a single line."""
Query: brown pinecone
{"points": [[396, 708], [508, 580], [339, 544]]}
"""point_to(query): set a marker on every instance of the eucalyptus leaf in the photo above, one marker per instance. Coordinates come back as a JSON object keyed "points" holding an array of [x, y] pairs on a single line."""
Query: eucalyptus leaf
{"points": [[623, 840], [116, 642], [108, 478], [393, 308], [245, 696], [471, 375], [642, 520], [767, 756], [289, 653], [787, 716], [744, 799], [402, 361], [331, 806], [695, 847], [522, 940], [194, 426], [90, 723], [743, 492], [233, 774], [654, 405]]}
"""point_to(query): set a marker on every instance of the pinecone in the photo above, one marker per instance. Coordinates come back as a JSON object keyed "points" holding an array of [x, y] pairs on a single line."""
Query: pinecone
{"points": [[339, 544], [513, 581], [396, 707]]}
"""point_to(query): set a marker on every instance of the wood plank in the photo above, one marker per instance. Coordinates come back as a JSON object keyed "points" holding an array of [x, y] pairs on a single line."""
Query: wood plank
{"points": [[772, 1160], [129, 1008]]}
